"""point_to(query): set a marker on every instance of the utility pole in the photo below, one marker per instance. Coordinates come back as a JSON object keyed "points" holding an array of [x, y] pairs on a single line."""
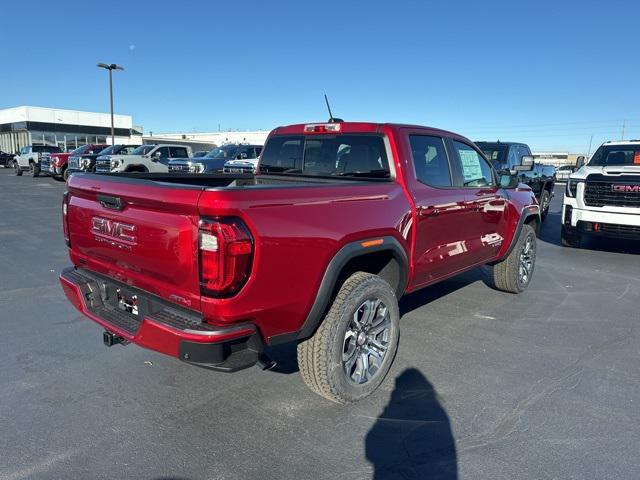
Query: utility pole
{"points": [[111, 67], [624, 124], [590, 142]]}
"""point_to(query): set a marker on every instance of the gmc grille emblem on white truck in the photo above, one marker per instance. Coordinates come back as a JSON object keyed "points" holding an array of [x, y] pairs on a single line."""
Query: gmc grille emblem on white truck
{"points": [[113, 231], [625, 188]]}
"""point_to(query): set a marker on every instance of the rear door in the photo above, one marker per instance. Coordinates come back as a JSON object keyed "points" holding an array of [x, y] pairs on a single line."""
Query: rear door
{"points": [[139, 232], [440, 246], [484, 200]]}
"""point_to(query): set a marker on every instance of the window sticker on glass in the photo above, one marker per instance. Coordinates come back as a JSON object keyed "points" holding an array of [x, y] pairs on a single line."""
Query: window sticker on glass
{"points": [[470, 165]]}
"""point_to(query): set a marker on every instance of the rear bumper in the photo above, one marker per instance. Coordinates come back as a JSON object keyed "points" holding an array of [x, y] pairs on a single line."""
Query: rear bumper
{"points": [[159, 325]]}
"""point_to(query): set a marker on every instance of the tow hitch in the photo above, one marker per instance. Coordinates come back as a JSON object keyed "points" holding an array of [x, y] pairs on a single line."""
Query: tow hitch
{"points": [[110, 339]]}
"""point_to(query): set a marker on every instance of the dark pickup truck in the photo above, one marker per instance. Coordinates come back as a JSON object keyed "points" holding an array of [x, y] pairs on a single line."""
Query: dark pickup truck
{"points": [[341, 220], [508, 156]]}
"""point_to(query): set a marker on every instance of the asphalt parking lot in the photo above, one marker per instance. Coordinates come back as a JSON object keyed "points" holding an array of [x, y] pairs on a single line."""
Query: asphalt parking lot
{"points": [[486, 385]]}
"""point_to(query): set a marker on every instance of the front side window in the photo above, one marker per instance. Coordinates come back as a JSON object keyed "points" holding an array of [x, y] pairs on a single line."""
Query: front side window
{"points": [[164, 152], [326, 156], [476, 172], [430, 160], [616, 155]]}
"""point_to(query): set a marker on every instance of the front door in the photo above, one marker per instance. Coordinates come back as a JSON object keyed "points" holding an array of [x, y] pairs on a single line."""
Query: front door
{"points": [[485, 201], [441, 243]]}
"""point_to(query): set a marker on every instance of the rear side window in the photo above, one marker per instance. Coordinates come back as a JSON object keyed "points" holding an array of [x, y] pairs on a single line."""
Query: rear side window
{"points": [[327, 156], [430, 160], [177, 152], [476, 172]]}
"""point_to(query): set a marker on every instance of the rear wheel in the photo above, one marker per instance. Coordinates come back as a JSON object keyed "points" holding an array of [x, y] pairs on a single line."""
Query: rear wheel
{"points": [[351, 352], [514, 273]]}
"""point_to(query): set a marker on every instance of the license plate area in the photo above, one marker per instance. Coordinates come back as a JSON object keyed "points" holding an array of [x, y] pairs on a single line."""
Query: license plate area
{"points": [[127, 301]]}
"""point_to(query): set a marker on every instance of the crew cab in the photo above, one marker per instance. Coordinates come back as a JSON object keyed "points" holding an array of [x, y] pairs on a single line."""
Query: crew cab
{"points": [[56, 164], [30, 157], [602, 198], [145, 158], [216, 160], [517, 159], [341, 220], [86, 162]]}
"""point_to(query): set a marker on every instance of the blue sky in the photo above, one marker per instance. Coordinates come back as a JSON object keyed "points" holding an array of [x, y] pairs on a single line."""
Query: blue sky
{"points": [[550, 73]]}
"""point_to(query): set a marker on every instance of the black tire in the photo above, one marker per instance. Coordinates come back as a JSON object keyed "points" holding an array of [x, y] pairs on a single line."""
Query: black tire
{"points": [[34, 168], [321, 358], [17, 168], [65, 174], [570, 239], [545, 201], [511, 274]]}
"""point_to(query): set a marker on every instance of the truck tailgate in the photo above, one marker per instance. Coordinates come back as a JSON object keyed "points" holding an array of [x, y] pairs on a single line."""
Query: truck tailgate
{"points": [[141, 233]]}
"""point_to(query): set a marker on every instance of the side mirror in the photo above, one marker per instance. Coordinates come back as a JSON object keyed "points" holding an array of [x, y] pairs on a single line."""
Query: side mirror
{"points": [[526, 163], [156, 156], [508, 181], [580, 161]]}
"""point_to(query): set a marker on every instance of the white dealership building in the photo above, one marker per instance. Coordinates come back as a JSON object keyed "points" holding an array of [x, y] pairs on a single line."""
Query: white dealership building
{"points": [[68, 129]]}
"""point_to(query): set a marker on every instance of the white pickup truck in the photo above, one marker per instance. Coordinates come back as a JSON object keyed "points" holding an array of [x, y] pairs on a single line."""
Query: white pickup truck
{"points": [[145, 158], [603, 197], [30, 156]]}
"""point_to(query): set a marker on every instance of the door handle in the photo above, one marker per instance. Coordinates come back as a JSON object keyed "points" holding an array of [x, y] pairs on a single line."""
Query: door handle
{"points": [[428, 211]]}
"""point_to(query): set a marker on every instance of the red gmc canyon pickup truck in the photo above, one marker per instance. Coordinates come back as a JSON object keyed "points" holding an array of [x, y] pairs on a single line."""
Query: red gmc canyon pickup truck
{"points": [[340, 221]]}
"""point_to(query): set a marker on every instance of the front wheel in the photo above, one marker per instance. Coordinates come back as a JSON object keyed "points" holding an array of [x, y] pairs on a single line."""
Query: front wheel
{"points": [[545, 201], [350, 354], [514, 273], [65, 174], [569, 239], [34, 168], [17, 168]]}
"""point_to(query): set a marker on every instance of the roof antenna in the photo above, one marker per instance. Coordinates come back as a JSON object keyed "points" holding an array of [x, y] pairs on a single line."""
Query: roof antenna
{"points": [[331, 118]]}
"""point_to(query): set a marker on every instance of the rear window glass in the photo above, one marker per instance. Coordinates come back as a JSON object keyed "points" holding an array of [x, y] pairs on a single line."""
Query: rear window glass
{"points": [[494, 152], [616, 155], [326, 156]]}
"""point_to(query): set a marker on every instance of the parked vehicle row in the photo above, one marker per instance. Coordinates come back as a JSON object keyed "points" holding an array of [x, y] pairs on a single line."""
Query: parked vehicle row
{"points": [[340, 221], [224, 159], [51, 160]]}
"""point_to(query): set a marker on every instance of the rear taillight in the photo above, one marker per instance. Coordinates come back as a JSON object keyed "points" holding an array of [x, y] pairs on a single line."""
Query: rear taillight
{"points": [[65, 218], [226, 253]]}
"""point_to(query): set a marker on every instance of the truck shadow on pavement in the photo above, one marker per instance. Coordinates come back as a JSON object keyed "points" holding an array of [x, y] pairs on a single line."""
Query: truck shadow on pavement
{"points": [[412, 438]]}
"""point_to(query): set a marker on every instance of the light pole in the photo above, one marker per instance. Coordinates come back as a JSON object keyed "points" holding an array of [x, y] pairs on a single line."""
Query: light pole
{"points": [[111, 68]]}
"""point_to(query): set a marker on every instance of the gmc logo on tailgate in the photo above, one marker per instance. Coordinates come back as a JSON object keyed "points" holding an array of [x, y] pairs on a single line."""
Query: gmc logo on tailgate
{"points": [[625, 188], [114, 231]]}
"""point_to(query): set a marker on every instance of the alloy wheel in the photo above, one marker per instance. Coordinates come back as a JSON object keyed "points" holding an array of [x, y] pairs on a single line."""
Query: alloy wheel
{"points": [[527, 257], [366, 341]]}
